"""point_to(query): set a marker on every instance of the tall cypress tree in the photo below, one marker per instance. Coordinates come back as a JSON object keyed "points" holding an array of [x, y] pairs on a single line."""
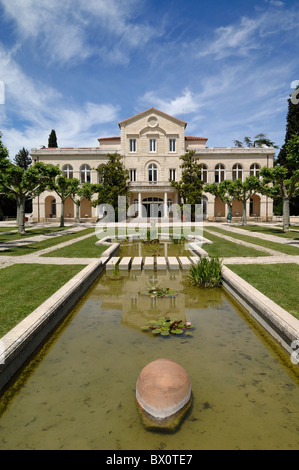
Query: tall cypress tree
{"points": [[292, 127], [52, 142]]}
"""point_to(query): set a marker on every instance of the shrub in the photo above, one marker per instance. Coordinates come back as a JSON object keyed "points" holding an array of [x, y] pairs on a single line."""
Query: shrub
{"points": [[206, 273]]}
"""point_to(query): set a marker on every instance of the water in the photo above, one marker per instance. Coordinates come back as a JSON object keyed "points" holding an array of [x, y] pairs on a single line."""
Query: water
{"points": [[79, 392], [154, 249]]}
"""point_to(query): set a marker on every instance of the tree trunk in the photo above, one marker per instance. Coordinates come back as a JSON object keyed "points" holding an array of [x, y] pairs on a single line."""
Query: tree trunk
{"points": [[77, 213], [286, 214], [21, 215], [62, 213], [244, 218]]}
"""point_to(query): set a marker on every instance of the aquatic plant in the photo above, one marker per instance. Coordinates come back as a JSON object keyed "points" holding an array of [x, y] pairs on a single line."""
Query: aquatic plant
{"points": [[206, 273], [166, 326], [159, 292]]}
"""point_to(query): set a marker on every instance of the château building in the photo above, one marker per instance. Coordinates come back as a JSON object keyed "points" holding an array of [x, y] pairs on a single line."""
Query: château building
{"points": [[151, 144]]}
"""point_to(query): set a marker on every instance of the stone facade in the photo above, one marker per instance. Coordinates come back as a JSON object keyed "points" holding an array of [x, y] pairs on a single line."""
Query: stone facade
{"points": [[151, 144]]}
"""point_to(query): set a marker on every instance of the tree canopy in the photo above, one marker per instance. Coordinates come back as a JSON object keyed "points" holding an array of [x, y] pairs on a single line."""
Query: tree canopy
{"points": [[114, 178], [191, 184]]}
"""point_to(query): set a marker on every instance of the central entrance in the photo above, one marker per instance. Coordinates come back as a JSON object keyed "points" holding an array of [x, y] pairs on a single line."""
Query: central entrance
{"points": [[154, 207]]}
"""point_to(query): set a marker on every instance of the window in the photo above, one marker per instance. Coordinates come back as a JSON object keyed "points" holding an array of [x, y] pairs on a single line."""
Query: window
{"points": [[255, 170], [152, 173], [219, 173], [172, 145], [152, 145], [237, 172], [204, 173], [133, 145], [132, 174], [85, 174], [67, 171], [172, 174]]}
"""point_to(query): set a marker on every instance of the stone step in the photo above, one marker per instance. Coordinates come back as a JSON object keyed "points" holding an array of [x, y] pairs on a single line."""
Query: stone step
{"points": [[112, 262], [185, 263], [149, 262], [161, 262], [125, 263], [173, 262], [137, 263]]}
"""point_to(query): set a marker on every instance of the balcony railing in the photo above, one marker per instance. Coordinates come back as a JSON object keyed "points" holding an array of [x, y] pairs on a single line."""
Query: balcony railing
{"points": [[149, 183]]}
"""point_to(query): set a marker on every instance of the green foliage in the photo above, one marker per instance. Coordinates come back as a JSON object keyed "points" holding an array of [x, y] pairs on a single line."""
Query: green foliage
{"points": [[259, 140], [191, 185], [206, 273], [64, 188], [166, 326], [52, 141], [23, 184], [79, 193], [292, 128], [23, 159], [159, 292], [114, 179]]}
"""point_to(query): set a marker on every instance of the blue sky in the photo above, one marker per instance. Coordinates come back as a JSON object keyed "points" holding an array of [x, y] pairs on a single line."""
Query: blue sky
{"points": [[81, 66]]}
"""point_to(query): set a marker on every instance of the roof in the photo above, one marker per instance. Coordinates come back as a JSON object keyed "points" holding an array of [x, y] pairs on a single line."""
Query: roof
{"points": [[151, 110], [108, 138], [189, 137]]}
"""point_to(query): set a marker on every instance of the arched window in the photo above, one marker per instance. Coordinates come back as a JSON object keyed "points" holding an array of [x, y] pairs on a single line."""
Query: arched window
{"points": [[204, 173], [67, 171], [255, 170], [152, 173], [237, 172], [85, 174], [219, 173]]}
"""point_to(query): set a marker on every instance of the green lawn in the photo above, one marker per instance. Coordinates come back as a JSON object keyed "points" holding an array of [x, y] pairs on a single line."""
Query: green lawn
{"points": [[279, 282], [222, 248], [271, 231], [81, 249], [51, 241], [23, 287], [287, 249], [33, 232]]}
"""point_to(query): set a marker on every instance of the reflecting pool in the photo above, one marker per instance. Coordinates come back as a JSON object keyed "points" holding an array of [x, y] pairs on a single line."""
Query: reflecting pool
{"points": [[79, 390]]}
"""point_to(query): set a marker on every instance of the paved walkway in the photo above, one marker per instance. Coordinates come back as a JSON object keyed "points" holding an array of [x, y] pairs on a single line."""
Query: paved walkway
{"points": [[272, 257]]}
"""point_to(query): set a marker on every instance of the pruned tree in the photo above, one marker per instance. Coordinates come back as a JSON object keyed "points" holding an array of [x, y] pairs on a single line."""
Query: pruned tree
{"points": [[64, 188], [80, 193], [22, 185], [279, 183], [244, 190], [224, 191]]}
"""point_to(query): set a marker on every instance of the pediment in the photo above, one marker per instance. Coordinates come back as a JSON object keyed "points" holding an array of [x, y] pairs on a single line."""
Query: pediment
{"points": [[153, 115]]}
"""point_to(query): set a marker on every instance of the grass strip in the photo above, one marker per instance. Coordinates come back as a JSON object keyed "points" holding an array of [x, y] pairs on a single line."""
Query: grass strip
{"points": [[23, 287], [279, 282], [8, 237], [271, 231], [222, 248], [34, 247], [280, 247], [81, 249]]}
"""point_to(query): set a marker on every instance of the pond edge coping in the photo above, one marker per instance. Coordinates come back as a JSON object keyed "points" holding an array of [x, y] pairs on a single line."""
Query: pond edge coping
{"points": [[20, 342], [281, 325]]}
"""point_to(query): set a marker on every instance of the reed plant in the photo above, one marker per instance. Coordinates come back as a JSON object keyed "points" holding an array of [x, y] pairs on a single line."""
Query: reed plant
{"points": [[206, 273]]}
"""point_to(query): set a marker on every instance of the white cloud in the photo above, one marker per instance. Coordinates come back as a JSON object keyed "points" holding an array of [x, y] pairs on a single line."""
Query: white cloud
{"points": [[39, 108], [186, 103], [61, 29]]}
